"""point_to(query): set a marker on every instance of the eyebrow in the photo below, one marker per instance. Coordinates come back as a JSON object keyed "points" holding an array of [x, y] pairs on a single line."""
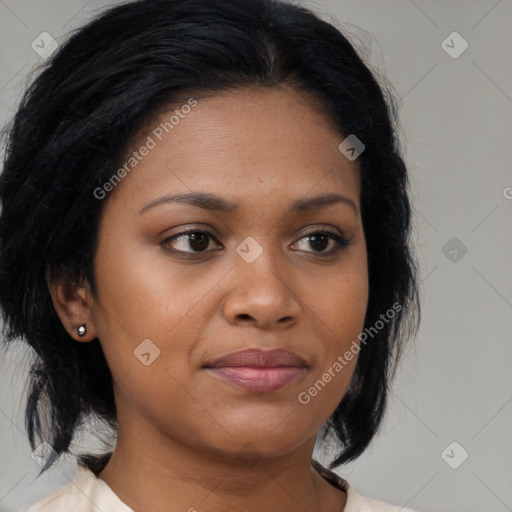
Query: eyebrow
{"points": [[212, 202]]}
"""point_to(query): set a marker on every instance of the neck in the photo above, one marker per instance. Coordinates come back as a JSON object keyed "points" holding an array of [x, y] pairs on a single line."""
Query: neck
{"points": [[187, 478]]}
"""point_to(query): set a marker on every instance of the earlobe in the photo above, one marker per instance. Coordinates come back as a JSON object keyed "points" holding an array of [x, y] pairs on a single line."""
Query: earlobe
{"points": [[82, 330], [73, 304]]}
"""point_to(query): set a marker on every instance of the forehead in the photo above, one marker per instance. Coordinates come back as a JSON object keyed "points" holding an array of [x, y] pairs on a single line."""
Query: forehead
{"points": [[238, 143]]}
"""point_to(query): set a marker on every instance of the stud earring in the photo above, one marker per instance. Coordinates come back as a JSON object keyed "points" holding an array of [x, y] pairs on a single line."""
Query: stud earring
{"points": [[81, 329]]}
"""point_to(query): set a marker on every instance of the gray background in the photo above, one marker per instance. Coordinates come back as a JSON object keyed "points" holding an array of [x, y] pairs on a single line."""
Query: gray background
{"points": [[455, 383]]}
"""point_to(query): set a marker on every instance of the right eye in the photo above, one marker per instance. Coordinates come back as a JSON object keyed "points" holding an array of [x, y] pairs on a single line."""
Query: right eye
{"points": [[196, 239]]}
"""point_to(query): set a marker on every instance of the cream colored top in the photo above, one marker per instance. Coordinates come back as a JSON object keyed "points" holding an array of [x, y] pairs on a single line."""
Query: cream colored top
{"points": [[88, 493]]}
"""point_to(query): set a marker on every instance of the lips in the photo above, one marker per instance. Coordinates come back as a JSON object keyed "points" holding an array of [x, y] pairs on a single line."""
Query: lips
{"points": [[255, 358], [258, 371]]}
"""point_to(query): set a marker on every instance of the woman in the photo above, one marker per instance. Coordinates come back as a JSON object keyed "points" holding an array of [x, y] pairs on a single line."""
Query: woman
{"points": [[205, 239]]}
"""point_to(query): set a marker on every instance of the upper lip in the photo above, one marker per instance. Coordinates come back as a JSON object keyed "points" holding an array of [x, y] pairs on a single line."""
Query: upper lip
{"points": [[258, 358]]}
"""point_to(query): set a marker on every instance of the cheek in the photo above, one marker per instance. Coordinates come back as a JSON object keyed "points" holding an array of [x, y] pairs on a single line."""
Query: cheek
{"points": [[336, 355], [339, 313], [148, 312], [338, 305], [141, 293]]}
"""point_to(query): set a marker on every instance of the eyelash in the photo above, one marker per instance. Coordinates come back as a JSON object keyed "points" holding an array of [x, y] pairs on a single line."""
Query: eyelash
{"points": [[340, 242]]}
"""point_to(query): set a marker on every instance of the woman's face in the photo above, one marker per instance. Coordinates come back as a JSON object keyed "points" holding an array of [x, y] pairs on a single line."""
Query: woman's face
{"points": [[251, 277]]}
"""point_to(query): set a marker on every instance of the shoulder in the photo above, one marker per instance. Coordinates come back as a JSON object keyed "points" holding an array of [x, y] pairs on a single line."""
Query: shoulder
{"points": [[358, 503], [60, 499], [84, 493], [355, 501]]}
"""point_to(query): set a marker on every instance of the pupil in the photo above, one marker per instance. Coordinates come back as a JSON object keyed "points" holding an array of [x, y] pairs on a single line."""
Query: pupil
{"points": [[194, 237], [316, 238]]}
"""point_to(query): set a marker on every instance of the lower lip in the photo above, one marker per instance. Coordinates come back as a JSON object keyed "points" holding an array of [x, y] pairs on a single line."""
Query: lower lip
{"points": [[259, 379]]}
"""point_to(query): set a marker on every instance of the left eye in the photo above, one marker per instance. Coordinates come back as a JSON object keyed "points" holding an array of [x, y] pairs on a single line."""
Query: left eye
{"points": [[198, 241], [320, 239]]}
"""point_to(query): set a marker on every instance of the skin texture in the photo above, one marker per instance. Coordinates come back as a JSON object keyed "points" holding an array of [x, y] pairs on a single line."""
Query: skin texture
{"points": [[187, 439]]}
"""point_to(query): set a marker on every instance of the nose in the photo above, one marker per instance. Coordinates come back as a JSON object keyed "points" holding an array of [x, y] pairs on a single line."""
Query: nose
{"points": [[261, 294]]}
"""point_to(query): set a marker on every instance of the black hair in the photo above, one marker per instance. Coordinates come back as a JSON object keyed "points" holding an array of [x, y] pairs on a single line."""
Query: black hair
{"points": [[75, 123]]}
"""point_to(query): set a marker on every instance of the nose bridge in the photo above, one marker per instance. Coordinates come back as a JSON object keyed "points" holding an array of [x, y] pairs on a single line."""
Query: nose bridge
{"points": [[260, 288], [259, 259]]}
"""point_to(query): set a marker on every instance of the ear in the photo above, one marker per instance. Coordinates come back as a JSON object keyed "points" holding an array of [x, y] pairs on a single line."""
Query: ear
{"points": [[73, 304]]}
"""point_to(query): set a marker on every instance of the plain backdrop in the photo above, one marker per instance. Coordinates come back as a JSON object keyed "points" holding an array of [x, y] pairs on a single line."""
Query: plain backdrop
{"points": [[445, 444]]}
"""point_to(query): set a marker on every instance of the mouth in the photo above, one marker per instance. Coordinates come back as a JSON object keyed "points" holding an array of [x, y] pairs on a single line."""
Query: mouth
{"points": [[259, 380], [259, 371]]}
